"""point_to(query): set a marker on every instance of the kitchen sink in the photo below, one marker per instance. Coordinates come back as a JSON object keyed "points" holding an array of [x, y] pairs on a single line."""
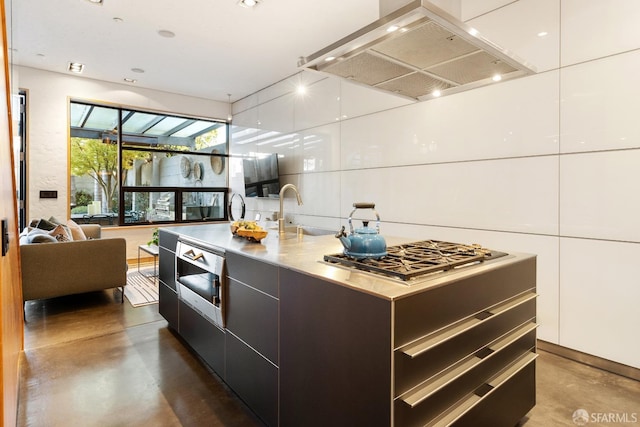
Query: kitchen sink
{"points": [[292, 231]]}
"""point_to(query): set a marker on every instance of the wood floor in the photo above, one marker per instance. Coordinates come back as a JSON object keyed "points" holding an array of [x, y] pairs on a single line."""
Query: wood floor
{"points": [[91, 361]]}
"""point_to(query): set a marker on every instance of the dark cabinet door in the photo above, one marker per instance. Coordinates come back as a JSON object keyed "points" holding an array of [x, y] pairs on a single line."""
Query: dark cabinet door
{"points": [[167, 239], [253, 317], [167, 267], [168, 305], [253, 378], [335, 355], [257, 274], [252, 334], [204, 337]]}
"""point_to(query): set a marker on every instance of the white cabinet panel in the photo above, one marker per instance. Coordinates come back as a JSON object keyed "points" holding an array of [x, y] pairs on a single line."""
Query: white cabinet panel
{"points": [[599, 299], [356, 100], [503, 195], [278, 89], [528, 29], [277, 115], [473, 8], [596, 28], [600, 104], [317, 150], [515, 118], [245, 103], [319, 104], [600, 195], [321, 195], [244, 132], [245, 119]]}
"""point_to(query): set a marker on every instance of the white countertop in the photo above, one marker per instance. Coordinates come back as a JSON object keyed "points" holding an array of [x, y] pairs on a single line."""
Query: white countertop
{"points": [[305, 254]]}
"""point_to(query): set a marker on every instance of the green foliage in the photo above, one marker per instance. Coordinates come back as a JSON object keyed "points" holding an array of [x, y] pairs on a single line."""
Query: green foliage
{"points": [[80, 210], [83, 198], [98, 160], [206, 140], [154, 238]]}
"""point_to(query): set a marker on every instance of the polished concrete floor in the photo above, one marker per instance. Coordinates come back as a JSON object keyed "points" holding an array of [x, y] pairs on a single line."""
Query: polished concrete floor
{"points": [[91, 361]]}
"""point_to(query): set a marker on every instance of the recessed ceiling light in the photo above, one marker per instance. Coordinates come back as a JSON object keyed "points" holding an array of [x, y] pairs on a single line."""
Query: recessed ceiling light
{"points": [[166, 33], [329, 58], [96, 1], [75, 67], [248, 3], [496, 78], [137, 70], [436, 93], [542, 34], [128, 80], [117, 20], [392, 28]]}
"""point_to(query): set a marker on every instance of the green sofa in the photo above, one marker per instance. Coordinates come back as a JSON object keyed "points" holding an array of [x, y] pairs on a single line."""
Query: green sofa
{"points": [[72, 267]]}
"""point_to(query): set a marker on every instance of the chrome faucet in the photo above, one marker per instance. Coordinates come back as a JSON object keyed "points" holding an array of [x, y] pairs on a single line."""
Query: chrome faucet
{"points": [[281, 213]]}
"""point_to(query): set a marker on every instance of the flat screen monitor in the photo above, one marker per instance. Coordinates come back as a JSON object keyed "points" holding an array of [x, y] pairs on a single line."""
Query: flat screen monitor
{"points": [[261, 176]]}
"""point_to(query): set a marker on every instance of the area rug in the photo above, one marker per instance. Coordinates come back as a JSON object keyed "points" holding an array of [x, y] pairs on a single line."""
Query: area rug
{"points": [[141, 290]]}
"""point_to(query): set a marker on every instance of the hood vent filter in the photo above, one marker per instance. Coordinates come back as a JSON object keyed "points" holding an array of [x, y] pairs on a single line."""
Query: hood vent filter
{"points": [[429, 51]]}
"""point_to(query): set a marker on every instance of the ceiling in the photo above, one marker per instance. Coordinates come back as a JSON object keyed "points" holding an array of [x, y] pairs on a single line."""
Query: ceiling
{"points": [[219, 48]]}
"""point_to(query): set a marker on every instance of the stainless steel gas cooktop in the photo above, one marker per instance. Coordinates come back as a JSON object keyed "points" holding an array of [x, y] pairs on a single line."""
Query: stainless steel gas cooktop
{"points": [[413, 260]]}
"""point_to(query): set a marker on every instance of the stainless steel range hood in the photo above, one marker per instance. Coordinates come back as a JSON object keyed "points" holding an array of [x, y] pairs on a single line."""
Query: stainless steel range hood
{"points": [[430, 53]]}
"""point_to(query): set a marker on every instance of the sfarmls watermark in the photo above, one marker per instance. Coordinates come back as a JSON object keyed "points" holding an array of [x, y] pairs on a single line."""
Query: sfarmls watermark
{"points": [[582, 417]]}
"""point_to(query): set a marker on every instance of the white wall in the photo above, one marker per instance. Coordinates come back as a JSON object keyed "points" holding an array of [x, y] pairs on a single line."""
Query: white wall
{"points": [[48, 124], [546, 164]]}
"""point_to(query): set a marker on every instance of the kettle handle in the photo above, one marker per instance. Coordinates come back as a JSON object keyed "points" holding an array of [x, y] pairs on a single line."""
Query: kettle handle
{"points": [[364, 205]]}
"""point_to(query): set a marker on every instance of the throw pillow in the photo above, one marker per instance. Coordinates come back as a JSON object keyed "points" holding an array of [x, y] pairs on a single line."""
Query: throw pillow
{"points": [[76, 231], [56, 221], [43, 224], [60, 234]]}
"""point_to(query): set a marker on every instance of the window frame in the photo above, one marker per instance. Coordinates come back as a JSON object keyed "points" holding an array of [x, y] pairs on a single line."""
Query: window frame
{"points": [[178, 190]]}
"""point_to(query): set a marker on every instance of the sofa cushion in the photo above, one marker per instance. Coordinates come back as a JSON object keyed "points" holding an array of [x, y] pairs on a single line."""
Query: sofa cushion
{"points": [[76, 231], [67, 228], [60, 233]]}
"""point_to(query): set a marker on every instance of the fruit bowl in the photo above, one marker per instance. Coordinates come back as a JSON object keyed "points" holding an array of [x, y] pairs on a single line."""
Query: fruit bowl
{"points": [[255, 235], [250, 230], [249, 225]]}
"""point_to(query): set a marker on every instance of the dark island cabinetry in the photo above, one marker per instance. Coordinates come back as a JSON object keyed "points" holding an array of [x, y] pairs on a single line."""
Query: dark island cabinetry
{"points": [[304, 344], [207, 340], [167, 290], [252, 334], [335, 355], [461, 354]]}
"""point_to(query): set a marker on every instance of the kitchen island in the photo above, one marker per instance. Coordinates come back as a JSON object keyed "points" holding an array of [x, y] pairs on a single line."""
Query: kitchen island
{"points": [[308, 343]]}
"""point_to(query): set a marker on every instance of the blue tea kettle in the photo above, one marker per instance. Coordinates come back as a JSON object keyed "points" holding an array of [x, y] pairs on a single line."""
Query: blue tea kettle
{"points": [[364, 242]]}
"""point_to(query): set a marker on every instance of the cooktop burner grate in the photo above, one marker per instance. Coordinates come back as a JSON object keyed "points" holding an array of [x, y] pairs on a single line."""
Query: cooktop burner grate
{"points": [[416, 259]]}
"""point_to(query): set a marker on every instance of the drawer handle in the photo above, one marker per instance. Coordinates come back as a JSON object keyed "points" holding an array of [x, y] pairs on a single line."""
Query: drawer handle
{"points": [[192, 255], [425, 390], [426, 343]]}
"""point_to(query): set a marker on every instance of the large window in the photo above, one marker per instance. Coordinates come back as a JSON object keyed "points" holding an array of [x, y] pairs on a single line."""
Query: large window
{"points": [[140, 167]]}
